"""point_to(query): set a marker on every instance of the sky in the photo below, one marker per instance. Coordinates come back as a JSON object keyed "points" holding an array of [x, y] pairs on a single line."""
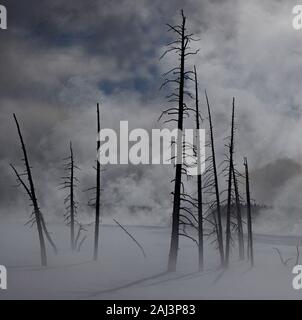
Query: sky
{"points": [[59, 58]]}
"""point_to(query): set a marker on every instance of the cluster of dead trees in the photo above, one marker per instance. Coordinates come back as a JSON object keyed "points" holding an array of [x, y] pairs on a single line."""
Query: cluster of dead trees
{"points": [[69, 183], [197, 217]]}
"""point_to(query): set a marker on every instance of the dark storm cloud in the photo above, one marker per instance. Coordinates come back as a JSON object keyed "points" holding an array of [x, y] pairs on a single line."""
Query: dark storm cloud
{"points": [[129, 32]]}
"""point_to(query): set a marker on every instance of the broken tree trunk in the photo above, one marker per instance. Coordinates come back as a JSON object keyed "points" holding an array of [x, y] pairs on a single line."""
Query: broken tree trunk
{"points": [[131, 236], [216, 185], [98, 191], [249, 215]]}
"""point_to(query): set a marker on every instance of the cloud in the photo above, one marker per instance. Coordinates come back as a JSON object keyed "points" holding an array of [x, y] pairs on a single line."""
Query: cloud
{"points": [[59, 58]]}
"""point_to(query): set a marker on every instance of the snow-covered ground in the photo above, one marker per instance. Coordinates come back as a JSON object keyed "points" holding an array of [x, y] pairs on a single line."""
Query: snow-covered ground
{"points": [[122, 272]]}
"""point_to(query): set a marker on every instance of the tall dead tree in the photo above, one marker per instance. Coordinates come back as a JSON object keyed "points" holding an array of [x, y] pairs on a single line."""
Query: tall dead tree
{"points": [[180, 46], [98, 191], [199, 180], [214, 176], [70, 183], [249, 214], [36, 217], [229, 199]]}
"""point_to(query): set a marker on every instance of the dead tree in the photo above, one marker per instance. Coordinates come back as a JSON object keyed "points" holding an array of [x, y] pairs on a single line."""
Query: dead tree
{"points": [[249, 215], [78, 241], [211, 181], [47, 234], [131, 236], [70, 183], [199, 181], [238, 215], [233, 200], [285, 261], [229, 199], [298, 255], [36, 217], [98, 191], [180, 46]]}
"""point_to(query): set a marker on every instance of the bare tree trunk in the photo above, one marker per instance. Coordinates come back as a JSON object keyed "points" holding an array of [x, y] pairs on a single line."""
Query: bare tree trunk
{"points": [[177, 187], [69, 183], [249, 215], [180, 76], [19, 179], [98, 192], [228, 223], [239, 217], [47, 234], [33, 198], [72, 211], [218, 208], [199, 182], [131, 236]]}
